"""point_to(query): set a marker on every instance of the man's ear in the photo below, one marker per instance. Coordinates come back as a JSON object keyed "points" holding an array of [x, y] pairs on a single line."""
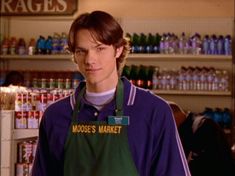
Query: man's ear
{"points": [[118, 51]]}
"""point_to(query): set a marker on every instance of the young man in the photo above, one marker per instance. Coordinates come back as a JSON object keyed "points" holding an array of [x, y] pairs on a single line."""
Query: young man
{"points": [[108, 127]]}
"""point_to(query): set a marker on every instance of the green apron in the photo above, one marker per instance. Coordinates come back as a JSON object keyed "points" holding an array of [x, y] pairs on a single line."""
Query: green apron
{"points": [[99, 148]]}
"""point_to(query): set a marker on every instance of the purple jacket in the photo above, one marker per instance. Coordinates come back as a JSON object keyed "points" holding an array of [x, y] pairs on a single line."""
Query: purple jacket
{"points": [[153, 138]]}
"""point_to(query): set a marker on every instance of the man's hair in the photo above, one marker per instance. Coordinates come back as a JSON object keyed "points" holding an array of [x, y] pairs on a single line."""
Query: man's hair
{"points": [[105, 29]]}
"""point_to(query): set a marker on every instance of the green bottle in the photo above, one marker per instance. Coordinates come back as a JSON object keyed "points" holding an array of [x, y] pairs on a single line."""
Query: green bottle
{"points": [[126, 71], [134, 74]]}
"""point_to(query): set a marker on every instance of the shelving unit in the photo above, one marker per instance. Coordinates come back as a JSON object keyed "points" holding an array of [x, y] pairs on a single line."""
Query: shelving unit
{"points": [[60, 62], [170, 61], [24, 133], [188, 100]]}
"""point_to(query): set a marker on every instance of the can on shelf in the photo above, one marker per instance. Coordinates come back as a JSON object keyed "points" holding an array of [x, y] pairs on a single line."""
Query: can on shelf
{"points": [[22, 169], [25, 152], [21, 119], [33, 120]]}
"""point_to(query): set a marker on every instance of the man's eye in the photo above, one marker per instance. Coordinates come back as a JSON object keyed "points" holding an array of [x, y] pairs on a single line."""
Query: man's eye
{"points": [[100, 48], [80, 52]]}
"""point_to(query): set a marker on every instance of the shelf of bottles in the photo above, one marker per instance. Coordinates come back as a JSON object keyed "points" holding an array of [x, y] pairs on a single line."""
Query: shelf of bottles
{"points": [[178, 57], [170, 43], [37, 57], [184, 81]]}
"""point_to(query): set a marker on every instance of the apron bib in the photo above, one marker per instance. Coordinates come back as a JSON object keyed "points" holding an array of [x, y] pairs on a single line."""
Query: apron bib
{"points": [[99, 148]]}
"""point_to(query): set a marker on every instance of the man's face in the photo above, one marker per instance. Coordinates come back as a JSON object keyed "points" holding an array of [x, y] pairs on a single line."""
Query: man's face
{"points": [[96, 61]]}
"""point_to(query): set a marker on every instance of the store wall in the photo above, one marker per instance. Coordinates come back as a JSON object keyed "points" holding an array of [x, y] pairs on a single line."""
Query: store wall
{"points": [[135, 16], [161, 8]]}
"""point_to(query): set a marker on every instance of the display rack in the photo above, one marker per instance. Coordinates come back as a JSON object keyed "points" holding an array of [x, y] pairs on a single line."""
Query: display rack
{"points": [[188, 100]]}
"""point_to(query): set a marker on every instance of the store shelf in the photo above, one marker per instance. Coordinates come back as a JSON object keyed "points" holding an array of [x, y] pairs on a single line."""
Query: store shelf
{"points": [[180, 57], [37, 57], [139, 56], [190, 92], [24, 133]]}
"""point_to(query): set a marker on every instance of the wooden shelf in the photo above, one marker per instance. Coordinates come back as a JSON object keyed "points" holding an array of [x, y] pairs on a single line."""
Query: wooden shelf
{"points": [[24, 133], [180, 57], [37, 57], [190, 92], [177, 57]]}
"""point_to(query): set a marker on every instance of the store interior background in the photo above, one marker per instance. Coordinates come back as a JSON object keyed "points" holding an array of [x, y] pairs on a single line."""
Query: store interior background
{"points": [[132, 14], [190, 16]]}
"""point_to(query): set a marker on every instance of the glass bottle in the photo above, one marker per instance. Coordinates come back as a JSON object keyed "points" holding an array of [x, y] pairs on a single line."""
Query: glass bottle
{"points": [[205, 45], [155, 76], [134, 74], [228, 45]]}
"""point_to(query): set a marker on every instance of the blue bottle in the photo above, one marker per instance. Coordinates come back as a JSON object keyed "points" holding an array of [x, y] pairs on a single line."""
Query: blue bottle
{"points": [[208, 113], [227, 118], [41, 45], [228, 45], [48, 45], [218, 116], [162, 44], [213, 44], [205, 45], [220, 45]]}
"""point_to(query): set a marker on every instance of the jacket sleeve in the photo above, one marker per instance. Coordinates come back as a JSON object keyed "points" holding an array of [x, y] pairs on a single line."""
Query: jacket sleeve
{"points": [[45, 163], [168, 155], [41, 162]]}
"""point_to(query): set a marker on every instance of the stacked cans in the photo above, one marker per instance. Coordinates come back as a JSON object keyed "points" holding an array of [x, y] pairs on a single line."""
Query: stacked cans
{"points": [[29, 106], [25, 156]]}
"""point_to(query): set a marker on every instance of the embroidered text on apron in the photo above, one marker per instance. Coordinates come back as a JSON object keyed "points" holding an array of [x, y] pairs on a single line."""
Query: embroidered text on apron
{"points": [[99, 148]]}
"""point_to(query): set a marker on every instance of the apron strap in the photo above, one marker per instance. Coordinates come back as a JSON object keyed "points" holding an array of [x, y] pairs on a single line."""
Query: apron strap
{"points": [[119, 101], [119, 98], [77, 105]]}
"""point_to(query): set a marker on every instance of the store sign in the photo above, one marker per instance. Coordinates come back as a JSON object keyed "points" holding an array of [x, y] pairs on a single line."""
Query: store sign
{"points": [[38, 7]]}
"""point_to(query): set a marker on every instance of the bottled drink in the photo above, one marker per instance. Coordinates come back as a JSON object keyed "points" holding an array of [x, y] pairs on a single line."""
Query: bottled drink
{"points": [[141, 77], [135, 43], [218, 116], [156, 47], [55, 43], [215, 84], [32, 47], [162, 44], [196, 44], [213, 44], [63, 43], [205, 45], [21, 47], [220, 45], [228, 45], [210, 78], [224, 84], [182, 43], [149, 43], [155, 78], [13, 45], [150, 73], [142, 43], [48, 45], [126, 71], [227, 118], [134, 74], [41, 45], [195, 79]]}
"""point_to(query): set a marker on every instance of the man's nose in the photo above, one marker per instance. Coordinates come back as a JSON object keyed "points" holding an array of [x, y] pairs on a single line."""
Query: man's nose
{"points": [[90, 57]]}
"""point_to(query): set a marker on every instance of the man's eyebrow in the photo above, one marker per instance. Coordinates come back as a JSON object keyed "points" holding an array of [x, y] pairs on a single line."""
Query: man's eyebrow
{"points": [[98, 45], [80, 48]]}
